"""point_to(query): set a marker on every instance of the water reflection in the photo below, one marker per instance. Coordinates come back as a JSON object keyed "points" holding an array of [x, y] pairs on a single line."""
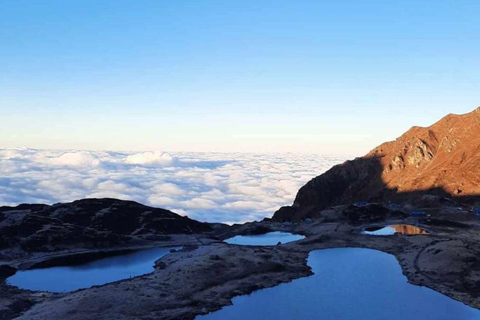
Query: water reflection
{"points": [[392, 229], [266, 239], [349, 283], [98, 272]]}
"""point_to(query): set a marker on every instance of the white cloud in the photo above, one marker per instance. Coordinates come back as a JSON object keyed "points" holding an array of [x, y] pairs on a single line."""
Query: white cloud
{"points": [[150, 158], [110, 185], [168, 188], [160, 201], [75, 159], [215, 187], [244, 205], [199, 203]]}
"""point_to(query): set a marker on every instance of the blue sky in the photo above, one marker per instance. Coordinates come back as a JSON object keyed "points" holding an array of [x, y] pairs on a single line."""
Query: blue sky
{"points": [[306, 75]]}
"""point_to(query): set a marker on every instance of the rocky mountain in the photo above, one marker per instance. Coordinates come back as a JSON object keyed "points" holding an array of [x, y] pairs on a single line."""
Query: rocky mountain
{"points": [[87, 223], [423, 164]]}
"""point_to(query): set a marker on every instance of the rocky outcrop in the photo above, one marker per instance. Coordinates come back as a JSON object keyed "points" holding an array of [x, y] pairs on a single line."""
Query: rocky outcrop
{"points": [[88, 223], [440, 160], [7, 271]]}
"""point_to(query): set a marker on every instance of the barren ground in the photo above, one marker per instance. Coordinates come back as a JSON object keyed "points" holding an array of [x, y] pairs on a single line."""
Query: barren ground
{"points": [[207, 274]]}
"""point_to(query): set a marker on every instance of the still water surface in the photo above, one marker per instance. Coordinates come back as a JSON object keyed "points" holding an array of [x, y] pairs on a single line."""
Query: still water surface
{"points": [[392, 229], [349, 283], [266, 239], [98, 272]]}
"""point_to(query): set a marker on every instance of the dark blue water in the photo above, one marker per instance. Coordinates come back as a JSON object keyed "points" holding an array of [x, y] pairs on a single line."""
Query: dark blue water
{"points": [[359, 284], [267, 239], [98, 272]]}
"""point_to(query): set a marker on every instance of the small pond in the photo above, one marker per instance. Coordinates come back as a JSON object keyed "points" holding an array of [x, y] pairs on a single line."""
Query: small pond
{"points": [[98, 272], [266, 239], [392, 229], [349, 283]]}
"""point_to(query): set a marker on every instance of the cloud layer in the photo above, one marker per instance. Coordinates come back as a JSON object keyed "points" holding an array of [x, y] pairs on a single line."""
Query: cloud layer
{"points": [[213, 187]]}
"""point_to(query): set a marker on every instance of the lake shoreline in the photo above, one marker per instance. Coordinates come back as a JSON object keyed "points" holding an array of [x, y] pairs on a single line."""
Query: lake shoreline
{"points": [[208, 275]]}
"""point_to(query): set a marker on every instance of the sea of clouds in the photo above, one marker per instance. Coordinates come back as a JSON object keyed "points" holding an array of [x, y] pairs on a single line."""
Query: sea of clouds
{"points": [[213, 187]]}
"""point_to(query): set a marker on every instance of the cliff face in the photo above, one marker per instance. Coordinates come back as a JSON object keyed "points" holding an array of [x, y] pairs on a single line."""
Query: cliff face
{"points": [[442, 160], [445, 155]]}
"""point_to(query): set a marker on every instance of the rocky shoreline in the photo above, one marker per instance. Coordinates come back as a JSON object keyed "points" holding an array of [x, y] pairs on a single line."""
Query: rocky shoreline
{"points": [[208, 273]]}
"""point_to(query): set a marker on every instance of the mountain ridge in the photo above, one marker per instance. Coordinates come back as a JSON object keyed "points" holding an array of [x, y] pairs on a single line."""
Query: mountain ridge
{"points": [[439, 160]]}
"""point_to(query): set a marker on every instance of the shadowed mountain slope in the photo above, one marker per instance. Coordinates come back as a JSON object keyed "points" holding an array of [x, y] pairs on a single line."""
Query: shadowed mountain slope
{"points": [[89, 223]]}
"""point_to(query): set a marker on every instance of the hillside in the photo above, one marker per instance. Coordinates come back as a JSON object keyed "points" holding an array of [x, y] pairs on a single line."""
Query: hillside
{"points": [[440, 161], [88, 223]]}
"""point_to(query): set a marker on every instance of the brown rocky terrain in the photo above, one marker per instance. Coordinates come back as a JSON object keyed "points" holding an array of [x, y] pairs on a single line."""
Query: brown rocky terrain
{"points": [[203, 279], [207, 274], [440, 162]]}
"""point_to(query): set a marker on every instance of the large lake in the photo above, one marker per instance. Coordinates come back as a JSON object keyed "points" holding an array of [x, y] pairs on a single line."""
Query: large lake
{"points": [[98, 272], [266, 239], [349, 283]]}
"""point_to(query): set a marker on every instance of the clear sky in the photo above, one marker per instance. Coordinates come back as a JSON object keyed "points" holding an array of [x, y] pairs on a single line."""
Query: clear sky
{"points": [[336, 76]]}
